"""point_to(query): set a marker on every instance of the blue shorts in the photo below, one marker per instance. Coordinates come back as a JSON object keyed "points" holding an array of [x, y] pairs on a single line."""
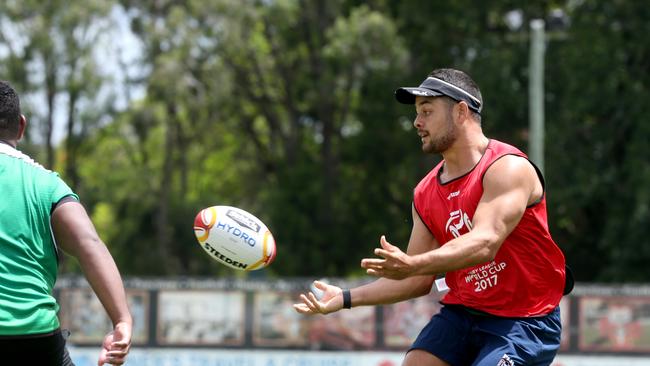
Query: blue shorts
{"points": [[461, 338]]}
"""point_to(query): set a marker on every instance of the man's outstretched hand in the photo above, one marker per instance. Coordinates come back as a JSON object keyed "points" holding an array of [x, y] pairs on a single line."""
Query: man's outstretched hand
{"points": [[330, 301], [393, 264]]}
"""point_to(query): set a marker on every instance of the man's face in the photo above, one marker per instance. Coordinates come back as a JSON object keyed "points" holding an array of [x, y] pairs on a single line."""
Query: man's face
{"points": [[435, 124]]}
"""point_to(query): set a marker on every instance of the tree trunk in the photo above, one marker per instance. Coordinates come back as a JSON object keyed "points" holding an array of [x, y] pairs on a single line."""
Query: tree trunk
{"points": [[50, 93], [72, 144], [163, 231]]}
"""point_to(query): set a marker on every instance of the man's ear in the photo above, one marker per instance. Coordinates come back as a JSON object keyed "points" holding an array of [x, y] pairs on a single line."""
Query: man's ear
{"points": [[22, 124], [462, 111]]}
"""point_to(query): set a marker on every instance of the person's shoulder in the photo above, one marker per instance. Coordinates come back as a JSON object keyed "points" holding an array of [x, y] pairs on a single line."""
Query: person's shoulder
{"points": [[37, 171], [502, 148], [510, 170], [42, 173], [25, 160]]}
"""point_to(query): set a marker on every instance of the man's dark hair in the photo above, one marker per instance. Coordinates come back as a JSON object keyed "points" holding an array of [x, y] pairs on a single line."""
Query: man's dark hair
{"points": [[461, 80], [9, 111]]}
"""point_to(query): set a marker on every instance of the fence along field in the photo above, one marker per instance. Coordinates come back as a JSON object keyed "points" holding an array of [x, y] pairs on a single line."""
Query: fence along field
{"points": [[229, 315]]}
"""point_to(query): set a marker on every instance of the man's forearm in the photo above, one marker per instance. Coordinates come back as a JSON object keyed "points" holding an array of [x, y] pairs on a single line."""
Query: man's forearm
{"points": [[387, 291], [104, 278]]}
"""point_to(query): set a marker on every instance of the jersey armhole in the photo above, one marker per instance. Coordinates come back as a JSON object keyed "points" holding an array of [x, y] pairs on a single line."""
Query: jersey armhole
{"points": [[542, 181], [65, 199], [421, 219], [540, 176]]}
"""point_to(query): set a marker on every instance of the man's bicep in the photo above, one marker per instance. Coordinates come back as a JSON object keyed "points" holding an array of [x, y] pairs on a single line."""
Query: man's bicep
{"points": [[507, 187], [72, 227], [421, 240]]}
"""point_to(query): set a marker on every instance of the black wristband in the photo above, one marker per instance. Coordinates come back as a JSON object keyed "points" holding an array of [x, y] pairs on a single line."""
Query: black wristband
{"points": [[347, 299]]}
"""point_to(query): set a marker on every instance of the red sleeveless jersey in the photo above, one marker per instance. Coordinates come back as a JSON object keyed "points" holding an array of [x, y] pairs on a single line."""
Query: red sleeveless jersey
{"points": [[526, 278]]}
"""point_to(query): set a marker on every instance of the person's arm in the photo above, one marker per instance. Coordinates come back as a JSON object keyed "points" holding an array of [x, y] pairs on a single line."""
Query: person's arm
{"points": [[509, 186], [381, 291], [76, 235]]}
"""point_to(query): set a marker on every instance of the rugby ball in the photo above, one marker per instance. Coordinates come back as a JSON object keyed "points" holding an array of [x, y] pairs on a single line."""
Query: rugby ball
{"points": [[234, 237]]}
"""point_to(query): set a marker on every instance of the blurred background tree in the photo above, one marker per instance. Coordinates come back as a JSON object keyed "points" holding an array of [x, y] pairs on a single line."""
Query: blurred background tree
{"points": [[285, 108]]}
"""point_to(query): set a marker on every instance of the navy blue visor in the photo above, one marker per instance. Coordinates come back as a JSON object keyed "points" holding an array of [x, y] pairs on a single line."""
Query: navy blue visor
{"points": [[434, 87]]}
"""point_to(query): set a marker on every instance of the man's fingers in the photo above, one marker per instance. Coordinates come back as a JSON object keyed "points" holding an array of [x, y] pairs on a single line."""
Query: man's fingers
{"points": [[309, 305], [116, 354], [120, 346], [372, 262], [306, 301], [385, 244], [306, 307], [302, 308], [383, 253], [315, 302], [311, 302], [320, 285], [374, 272], [115, 361]]}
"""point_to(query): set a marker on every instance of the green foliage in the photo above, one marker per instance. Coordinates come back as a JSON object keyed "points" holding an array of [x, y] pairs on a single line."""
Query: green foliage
{"points": [[600, 144], [285, 108]]}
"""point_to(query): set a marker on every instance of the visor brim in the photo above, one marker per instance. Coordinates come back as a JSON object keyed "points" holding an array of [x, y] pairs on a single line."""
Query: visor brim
{"points": [[407, 95]]}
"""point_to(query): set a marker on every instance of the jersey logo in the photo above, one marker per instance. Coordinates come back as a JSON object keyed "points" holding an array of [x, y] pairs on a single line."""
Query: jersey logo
{"points": [[452, 195], [505, 361], [458, 220]]}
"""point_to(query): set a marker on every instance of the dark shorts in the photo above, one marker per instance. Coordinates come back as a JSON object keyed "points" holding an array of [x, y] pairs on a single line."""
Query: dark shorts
{"points": [[43, 350], [461, 338]]}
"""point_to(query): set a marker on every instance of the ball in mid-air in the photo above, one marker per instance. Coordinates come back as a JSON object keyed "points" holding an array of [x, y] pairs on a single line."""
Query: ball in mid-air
{"points": [[234, 237]]}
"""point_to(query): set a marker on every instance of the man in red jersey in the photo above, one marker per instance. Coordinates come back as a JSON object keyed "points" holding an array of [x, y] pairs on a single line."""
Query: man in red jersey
{"points": [[479, 218]]}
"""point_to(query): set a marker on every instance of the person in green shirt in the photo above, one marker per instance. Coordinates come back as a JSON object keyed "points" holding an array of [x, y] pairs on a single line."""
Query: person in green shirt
{"points": [[40, 215]]}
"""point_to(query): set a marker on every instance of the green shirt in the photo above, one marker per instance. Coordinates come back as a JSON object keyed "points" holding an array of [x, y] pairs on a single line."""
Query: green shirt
{"points": [[28, 254]]}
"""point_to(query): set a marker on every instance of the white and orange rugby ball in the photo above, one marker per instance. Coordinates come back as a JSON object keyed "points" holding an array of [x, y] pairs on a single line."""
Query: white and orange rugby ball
{"points": [[234, 237]]}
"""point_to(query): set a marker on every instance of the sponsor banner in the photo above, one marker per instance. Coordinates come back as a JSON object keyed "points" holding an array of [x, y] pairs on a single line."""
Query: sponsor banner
{"points": [[404, 320], [200, 357], [276, 323], [349, 330], [84, 316], [614, 324], [567, 360], [565, 318], [246, 314], [200, 318]]}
